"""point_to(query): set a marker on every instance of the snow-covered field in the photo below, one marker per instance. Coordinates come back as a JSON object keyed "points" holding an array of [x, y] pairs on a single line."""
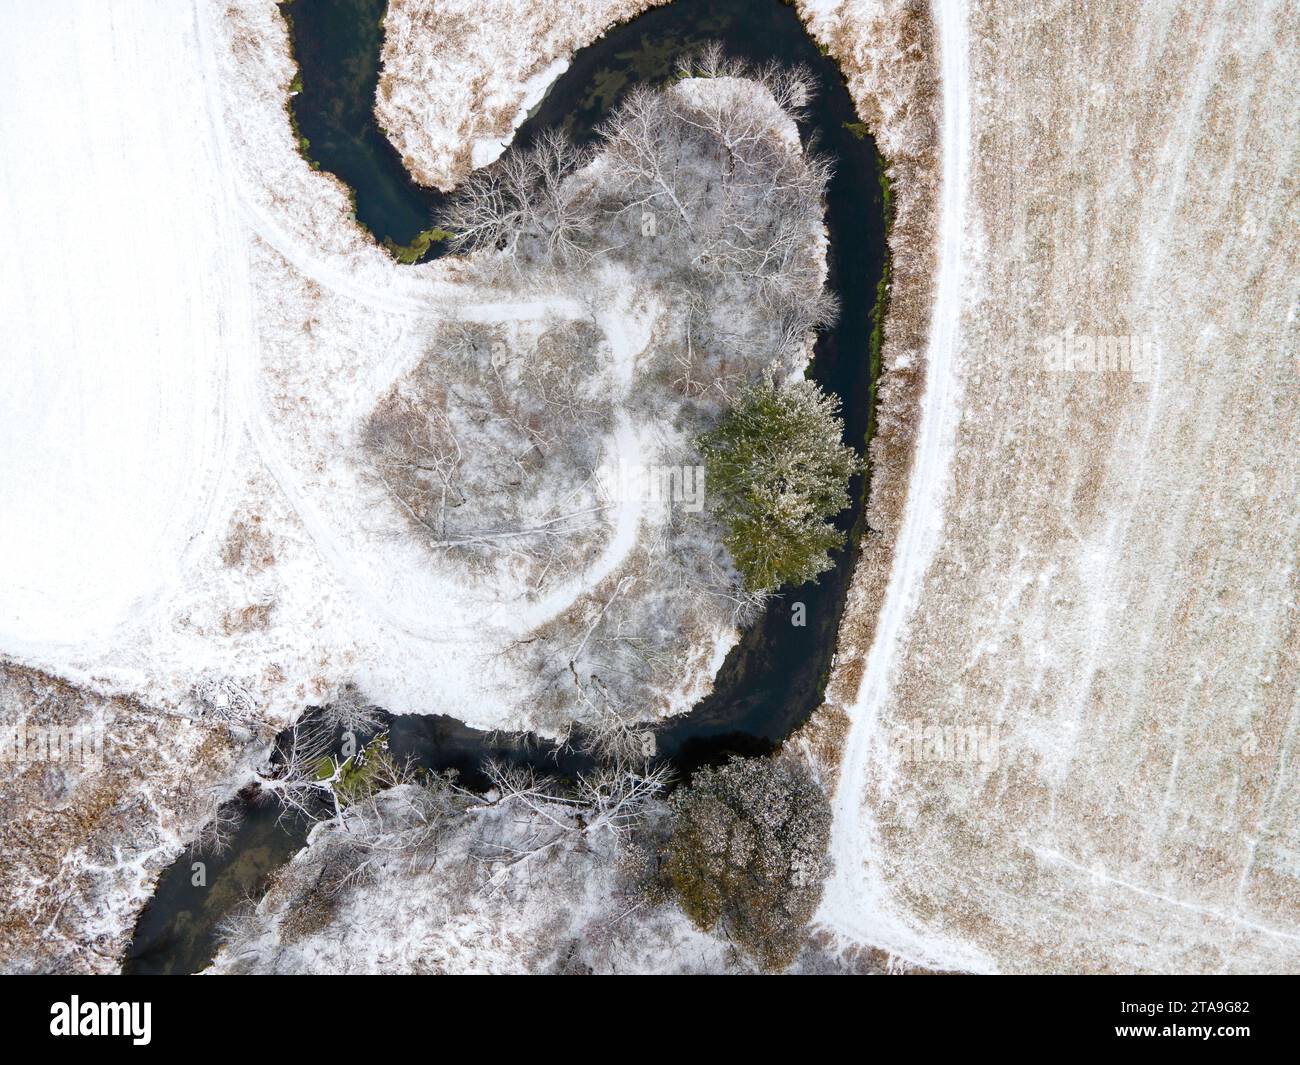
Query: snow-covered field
{"points": [[122, 298], [185, 506], [1095, 571]]}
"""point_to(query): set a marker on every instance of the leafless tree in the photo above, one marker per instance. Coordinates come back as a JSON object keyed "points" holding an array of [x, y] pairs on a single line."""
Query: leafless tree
{"points": [[710, 164], [561, 211], [221, 823], [490, 469], [724, 585], [311, 782], [645, 155], [748, 200], [303, 775], [529, 200], [610, 733], [790, 86], [610, 802], [240, 928], [416, 457], [402, 821], [226, 700], [351, 711]]}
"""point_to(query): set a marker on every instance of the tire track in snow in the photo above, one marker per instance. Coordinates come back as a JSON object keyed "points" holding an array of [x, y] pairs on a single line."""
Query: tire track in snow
{"points": [[855, 903], [425, 302]]}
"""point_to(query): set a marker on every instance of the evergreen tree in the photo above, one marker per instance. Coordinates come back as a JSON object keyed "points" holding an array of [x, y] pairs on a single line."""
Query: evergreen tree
{"points": [[777, 472]]}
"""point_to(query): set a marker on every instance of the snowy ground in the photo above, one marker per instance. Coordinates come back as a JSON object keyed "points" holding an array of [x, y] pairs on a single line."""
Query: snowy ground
{"points": [[1095, 571], [1098, 569], [84, 834], [185, 503], [160, 360], [513, 890], [117, 347], [446, 109], [185, 520]]}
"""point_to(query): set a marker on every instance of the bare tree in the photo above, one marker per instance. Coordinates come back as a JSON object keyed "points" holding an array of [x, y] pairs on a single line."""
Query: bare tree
{"points": [[402, 821], [416, 457], [219, 827], [748, 199], [560, 210], [610, 802], [398, 827], [645, 156], [226, 700], [709, 163], [351, 711], [490, 470], [610, 732], [526, 203], [791, 87], [303, 775]]}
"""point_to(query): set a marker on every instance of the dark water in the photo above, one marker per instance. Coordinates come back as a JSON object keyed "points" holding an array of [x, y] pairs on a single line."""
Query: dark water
{"points": [[337, 44], [774, 678], [176, 932]]}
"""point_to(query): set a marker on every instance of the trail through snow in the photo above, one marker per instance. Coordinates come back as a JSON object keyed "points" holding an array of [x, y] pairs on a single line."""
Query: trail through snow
{"points": [[206, 367], [856, 899]]}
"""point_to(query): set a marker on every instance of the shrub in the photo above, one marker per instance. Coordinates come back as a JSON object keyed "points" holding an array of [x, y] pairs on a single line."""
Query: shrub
{"points": [[749, 849]]}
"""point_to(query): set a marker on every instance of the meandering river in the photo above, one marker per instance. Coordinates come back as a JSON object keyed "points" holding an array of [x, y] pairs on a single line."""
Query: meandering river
{"points": [[774, 678]]}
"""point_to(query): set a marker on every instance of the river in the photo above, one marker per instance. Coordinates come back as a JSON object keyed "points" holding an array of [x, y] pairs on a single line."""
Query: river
{"points": [[774, 678]]}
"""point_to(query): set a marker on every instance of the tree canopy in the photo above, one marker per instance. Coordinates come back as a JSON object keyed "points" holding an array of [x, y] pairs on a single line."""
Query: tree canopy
{"points": [[777, 472], [749, 849]]}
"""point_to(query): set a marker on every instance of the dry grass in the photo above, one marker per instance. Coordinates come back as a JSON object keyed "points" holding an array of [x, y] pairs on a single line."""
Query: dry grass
{"points": [[248, 545], [1114, 592], [256, 617], [81, 845]]}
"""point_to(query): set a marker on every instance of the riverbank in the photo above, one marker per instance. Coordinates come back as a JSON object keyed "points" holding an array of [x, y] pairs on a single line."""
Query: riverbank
{"points": [[458, 79], [1101, 580], [774, 680]]}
